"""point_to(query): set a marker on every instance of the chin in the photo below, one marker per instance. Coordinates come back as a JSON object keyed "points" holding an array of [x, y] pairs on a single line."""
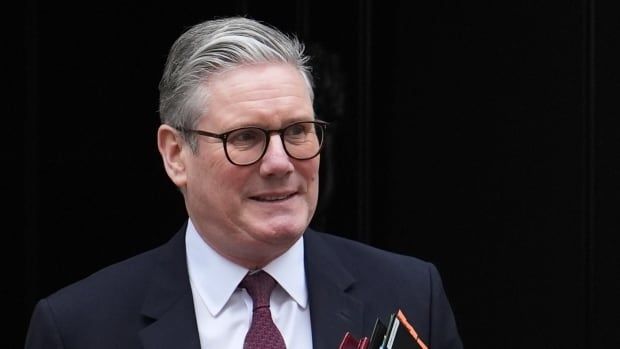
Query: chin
{"points": [[283, 231]]}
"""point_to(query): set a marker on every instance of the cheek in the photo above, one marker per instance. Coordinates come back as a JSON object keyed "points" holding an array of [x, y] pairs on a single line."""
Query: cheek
{"points": [[208, 173], [217, 190], [226, 181], [316, 162], [222, 177], [310, 171]]}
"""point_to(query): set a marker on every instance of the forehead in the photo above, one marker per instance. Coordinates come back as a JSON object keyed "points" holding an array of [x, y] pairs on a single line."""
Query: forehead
{"points": [[258, 90], [260, 76]]}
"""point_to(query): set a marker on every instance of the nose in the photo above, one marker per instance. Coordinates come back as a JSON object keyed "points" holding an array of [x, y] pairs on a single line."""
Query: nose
{"points": [[275, 162]]}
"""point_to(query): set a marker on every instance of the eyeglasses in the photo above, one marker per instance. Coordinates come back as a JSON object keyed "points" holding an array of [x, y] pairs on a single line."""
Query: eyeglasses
{"points": [[247, 145]]}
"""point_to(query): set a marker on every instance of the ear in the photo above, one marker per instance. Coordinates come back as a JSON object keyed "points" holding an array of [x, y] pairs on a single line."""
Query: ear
{"points": [[173, 149]]}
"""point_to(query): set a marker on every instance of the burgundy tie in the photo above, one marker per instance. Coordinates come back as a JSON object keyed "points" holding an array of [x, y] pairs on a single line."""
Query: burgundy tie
{"points": [[263, 333]]}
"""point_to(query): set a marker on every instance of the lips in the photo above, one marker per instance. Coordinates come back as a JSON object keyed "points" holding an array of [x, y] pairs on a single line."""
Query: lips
{"points": [[272, 197]]}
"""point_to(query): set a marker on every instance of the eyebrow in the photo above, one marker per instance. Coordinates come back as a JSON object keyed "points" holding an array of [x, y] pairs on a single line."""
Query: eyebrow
{"points": [[262, 125]]}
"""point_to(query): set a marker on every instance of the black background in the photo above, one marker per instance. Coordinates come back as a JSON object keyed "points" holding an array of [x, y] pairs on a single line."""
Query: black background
{"points": [[482, 136]]}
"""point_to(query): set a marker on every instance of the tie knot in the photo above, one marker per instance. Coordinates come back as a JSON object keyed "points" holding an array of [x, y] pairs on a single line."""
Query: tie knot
{"points": [[259, 286]]}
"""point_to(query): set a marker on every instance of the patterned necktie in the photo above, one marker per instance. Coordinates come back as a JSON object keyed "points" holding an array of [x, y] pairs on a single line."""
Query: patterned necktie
{"points": [[263, 333]]}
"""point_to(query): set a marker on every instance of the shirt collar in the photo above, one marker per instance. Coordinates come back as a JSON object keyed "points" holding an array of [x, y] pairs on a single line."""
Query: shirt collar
{"points": [[289, 271], [205, 265]]}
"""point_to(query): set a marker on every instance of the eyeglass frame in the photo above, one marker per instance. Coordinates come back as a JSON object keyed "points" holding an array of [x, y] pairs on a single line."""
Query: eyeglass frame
{"points": [[224, 137]]}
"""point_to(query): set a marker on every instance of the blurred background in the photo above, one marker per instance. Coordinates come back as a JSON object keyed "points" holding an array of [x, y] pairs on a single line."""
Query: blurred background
{"points": [[482, 136]]}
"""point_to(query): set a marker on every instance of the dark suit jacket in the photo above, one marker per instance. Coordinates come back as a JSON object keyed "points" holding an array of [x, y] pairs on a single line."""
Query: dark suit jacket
{"points": [[146, 301]]}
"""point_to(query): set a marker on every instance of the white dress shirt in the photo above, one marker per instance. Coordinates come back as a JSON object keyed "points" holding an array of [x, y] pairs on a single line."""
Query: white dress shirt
{"points": [[224, 311]]}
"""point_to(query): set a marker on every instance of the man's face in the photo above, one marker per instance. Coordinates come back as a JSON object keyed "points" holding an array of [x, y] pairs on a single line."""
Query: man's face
{"points": [[252, 214]]}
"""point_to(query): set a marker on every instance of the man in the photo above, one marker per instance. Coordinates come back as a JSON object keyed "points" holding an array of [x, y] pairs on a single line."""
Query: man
{"points": [[240, 140]]}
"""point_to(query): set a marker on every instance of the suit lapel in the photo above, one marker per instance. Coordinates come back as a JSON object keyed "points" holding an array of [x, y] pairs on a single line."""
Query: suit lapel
{"points": [[333, 310], [169, 301]]}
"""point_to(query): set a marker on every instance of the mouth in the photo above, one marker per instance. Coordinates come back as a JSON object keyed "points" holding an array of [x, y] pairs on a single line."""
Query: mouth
{"points": [[272, 197]]}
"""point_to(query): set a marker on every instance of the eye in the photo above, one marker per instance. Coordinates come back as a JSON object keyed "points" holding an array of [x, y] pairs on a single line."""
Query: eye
{"points": [[245, 138], [298, 131]]}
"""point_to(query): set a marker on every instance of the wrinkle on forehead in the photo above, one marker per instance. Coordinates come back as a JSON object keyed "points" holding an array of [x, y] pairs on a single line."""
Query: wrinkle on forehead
{"points": [[267, 92]]}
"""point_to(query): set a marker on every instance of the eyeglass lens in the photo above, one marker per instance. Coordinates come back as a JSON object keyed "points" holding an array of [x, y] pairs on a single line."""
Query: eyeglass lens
{"points": [[301, 141]]}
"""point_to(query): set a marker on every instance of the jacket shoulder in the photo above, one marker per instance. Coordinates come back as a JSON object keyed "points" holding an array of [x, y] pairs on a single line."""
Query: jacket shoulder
{"points": [[354, 253], [112, 286]]}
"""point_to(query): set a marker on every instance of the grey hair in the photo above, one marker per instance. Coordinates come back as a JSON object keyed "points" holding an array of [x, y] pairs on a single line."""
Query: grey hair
{"points": [[215, 46]]}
